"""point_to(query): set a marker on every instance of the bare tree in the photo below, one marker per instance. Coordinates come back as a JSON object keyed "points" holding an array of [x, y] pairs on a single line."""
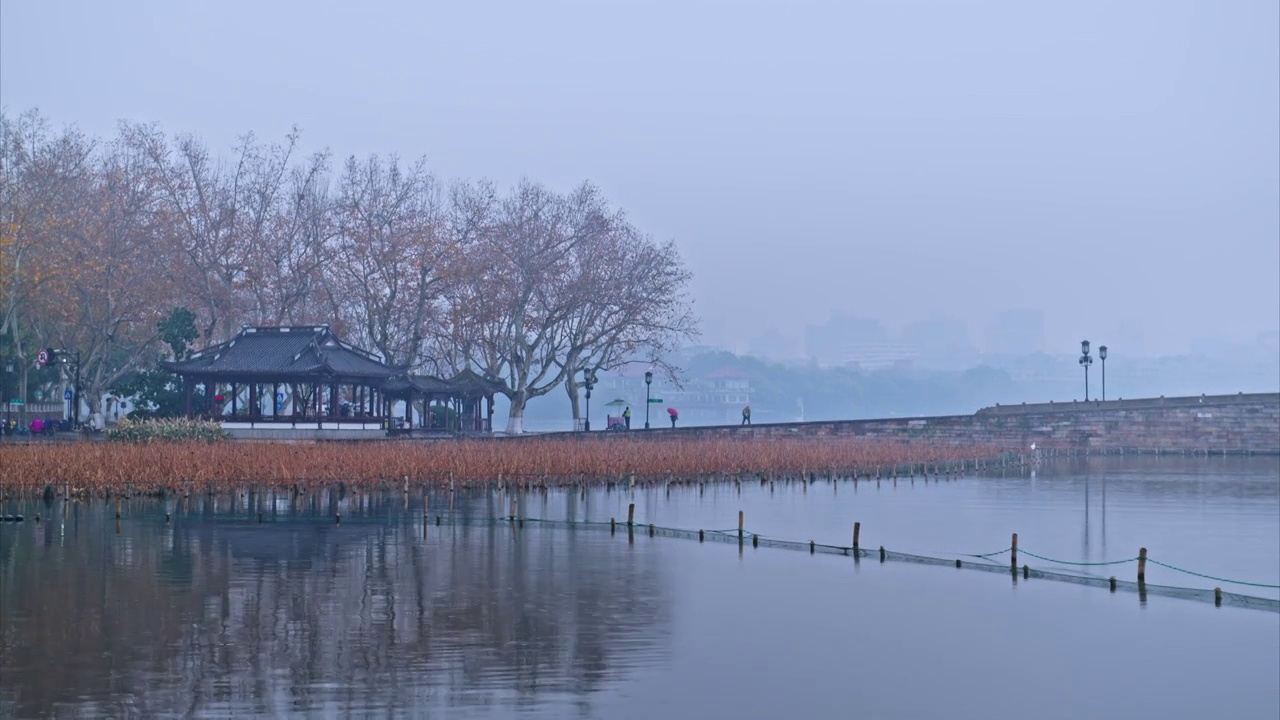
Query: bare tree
{"points": [[292, 244], [224, 212], [108, 273], [38, 169], [631, 305], [387, 278], [516, 292]]}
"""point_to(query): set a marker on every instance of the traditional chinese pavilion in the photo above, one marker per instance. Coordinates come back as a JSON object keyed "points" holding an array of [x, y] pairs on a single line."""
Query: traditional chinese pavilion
{"points": [[306, 382]]}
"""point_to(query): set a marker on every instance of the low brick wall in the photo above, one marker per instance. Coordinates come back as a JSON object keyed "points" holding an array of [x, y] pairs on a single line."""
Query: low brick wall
{"points": [[1231, 424]]}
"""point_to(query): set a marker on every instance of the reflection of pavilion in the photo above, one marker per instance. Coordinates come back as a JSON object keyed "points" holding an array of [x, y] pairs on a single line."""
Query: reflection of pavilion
{"points": [[305, 617], [305, 382]]}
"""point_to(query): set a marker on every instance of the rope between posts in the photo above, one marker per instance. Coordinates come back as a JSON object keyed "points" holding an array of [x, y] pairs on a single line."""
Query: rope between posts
{"points": [[454, 517], [991, 554], [1210, 577], [1069, 562]]}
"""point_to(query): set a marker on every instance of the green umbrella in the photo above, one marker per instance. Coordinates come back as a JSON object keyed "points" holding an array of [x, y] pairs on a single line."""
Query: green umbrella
{"points": [[617, 402]]}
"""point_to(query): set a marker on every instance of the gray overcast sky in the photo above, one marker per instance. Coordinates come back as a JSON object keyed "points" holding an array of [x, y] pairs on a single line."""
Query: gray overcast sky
{"points": [[1116, 164]]}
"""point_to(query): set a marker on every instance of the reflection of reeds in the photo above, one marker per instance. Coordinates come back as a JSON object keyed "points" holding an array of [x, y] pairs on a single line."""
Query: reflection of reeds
{"points": [[155, 467]]}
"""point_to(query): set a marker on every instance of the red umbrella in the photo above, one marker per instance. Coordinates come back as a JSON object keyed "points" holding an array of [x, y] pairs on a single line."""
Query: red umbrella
{"points": [[672, 412]]}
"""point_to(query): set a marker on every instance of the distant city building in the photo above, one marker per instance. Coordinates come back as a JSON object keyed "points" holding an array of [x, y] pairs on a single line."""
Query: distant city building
{"points": [[829, 343], [941, 342], [877, 356], [1016, 332], [771, 345], [716, 399]]}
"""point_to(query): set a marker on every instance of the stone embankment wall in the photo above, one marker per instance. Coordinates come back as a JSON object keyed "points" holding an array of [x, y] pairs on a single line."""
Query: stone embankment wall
{"points": [[1231, 424]]}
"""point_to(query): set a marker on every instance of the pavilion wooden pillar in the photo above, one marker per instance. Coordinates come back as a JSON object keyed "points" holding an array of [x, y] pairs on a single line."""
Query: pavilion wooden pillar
{"points": [[489, 407], [188, 390], [275, 402], [235, 398]]}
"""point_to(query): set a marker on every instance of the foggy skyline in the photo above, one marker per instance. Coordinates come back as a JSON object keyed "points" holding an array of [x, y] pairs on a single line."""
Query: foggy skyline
{"points": [[1114, 166]]}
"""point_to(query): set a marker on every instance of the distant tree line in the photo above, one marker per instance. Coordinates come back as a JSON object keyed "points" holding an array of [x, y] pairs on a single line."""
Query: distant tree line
{"points": [[101, 239]]}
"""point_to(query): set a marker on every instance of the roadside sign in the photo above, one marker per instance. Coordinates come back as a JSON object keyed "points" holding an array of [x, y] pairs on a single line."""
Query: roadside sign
{"points": [[16, 401], [279, 396], [66, 394], [42, 357], [39, 394], [655, 400]]}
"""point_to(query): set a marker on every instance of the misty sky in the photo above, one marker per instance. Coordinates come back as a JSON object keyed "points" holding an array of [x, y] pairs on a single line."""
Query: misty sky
{"points": [[1115, 164]]}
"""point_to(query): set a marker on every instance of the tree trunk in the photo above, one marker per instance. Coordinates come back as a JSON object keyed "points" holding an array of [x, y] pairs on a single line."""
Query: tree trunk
{"points": [[515, 418], [571, 387]]}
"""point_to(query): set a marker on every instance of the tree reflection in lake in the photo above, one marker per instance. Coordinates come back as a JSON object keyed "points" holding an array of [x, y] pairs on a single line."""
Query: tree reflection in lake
{"points": [[217, 613]]}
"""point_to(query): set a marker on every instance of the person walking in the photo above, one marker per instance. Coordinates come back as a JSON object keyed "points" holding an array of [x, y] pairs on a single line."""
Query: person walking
{"points": [[674, 416], [626, 416], [746, 414]]}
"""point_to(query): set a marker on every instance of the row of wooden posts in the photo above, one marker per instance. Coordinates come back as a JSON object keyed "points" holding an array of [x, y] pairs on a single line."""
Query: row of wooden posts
{"points": [[755, 540]]}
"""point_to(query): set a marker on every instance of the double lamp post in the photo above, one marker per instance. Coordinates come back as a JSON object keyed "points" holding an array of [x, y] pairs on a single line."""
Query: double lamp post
{"points": [[1086, 361]]}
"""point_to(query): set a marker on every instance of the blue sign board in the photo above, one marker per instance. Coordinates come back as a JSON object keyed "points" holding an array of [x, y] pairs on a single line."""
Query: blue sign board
{"points": [[66, 395]]}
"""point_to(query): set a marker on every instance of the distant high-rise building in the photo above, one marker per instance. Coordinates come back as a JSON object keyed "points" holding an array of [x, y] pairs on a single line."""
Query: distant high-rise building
{"points": [[828, 343], [940, 341], [1016, 332], [771, 345]]}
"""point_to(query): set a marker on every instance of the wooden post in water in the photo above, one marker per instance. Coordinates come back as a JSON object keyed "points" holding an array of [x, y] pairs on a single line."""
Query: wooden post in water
{"points": [[857, 531], [650, 529], [812, 547], [631, 514], [755, 541], [512, 515], [613, 526], [117, 508], [1142, 565], [424, 508], [1113, 583], [1013, 553], [739, 526], [1026, 572], [701, 537], [1217, 597], [881, 553]]}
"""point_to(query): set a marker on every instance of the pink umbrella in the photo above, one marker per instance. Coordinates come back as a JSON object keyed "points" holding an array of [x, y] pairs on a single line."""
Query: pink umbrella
{"points": [[672, 412]]}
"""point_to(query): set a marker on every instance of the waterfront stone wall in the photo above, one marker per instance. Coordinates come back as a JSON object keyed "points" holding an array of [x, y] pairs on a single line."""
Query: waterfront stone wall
{"points": [[1232, 424]]}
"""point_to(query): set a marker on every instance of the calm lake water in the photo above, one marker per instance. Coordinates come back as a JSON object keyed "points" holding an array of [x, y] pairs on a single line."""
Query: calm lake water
{"points": [[215, 615]]}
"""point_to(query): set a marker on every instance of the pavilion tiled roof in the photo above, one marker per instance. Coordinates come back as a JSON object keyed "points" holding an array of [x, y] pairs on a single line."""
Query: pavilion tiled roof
{"points": [[418, 384], [284, 352], [471, 381]]}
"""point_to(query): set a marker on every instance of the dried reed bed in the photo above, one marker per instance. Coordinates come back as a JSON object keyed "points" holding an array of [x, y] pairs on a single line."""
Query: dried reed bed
{"points": [[102, 467]]}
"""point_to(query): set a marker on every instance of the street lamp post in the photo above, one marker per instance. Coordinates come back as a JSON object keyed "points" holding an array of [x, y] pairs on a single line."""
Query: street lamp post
{"points": [[648, 382], [75, 395], [1085, 362], [1102, 354], [590, 382], [8, 404]]}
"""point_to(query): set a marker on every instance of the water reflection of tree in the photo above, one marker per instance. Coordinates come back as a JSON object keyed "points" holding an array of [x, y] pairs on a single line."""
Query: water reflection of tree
{"points": [[201, 615]]}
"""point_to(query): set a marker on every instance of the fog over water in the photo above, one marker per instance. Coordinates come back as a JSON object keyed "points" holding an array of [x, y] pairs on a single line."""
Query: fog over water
{"points": [[1112, 167]]}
